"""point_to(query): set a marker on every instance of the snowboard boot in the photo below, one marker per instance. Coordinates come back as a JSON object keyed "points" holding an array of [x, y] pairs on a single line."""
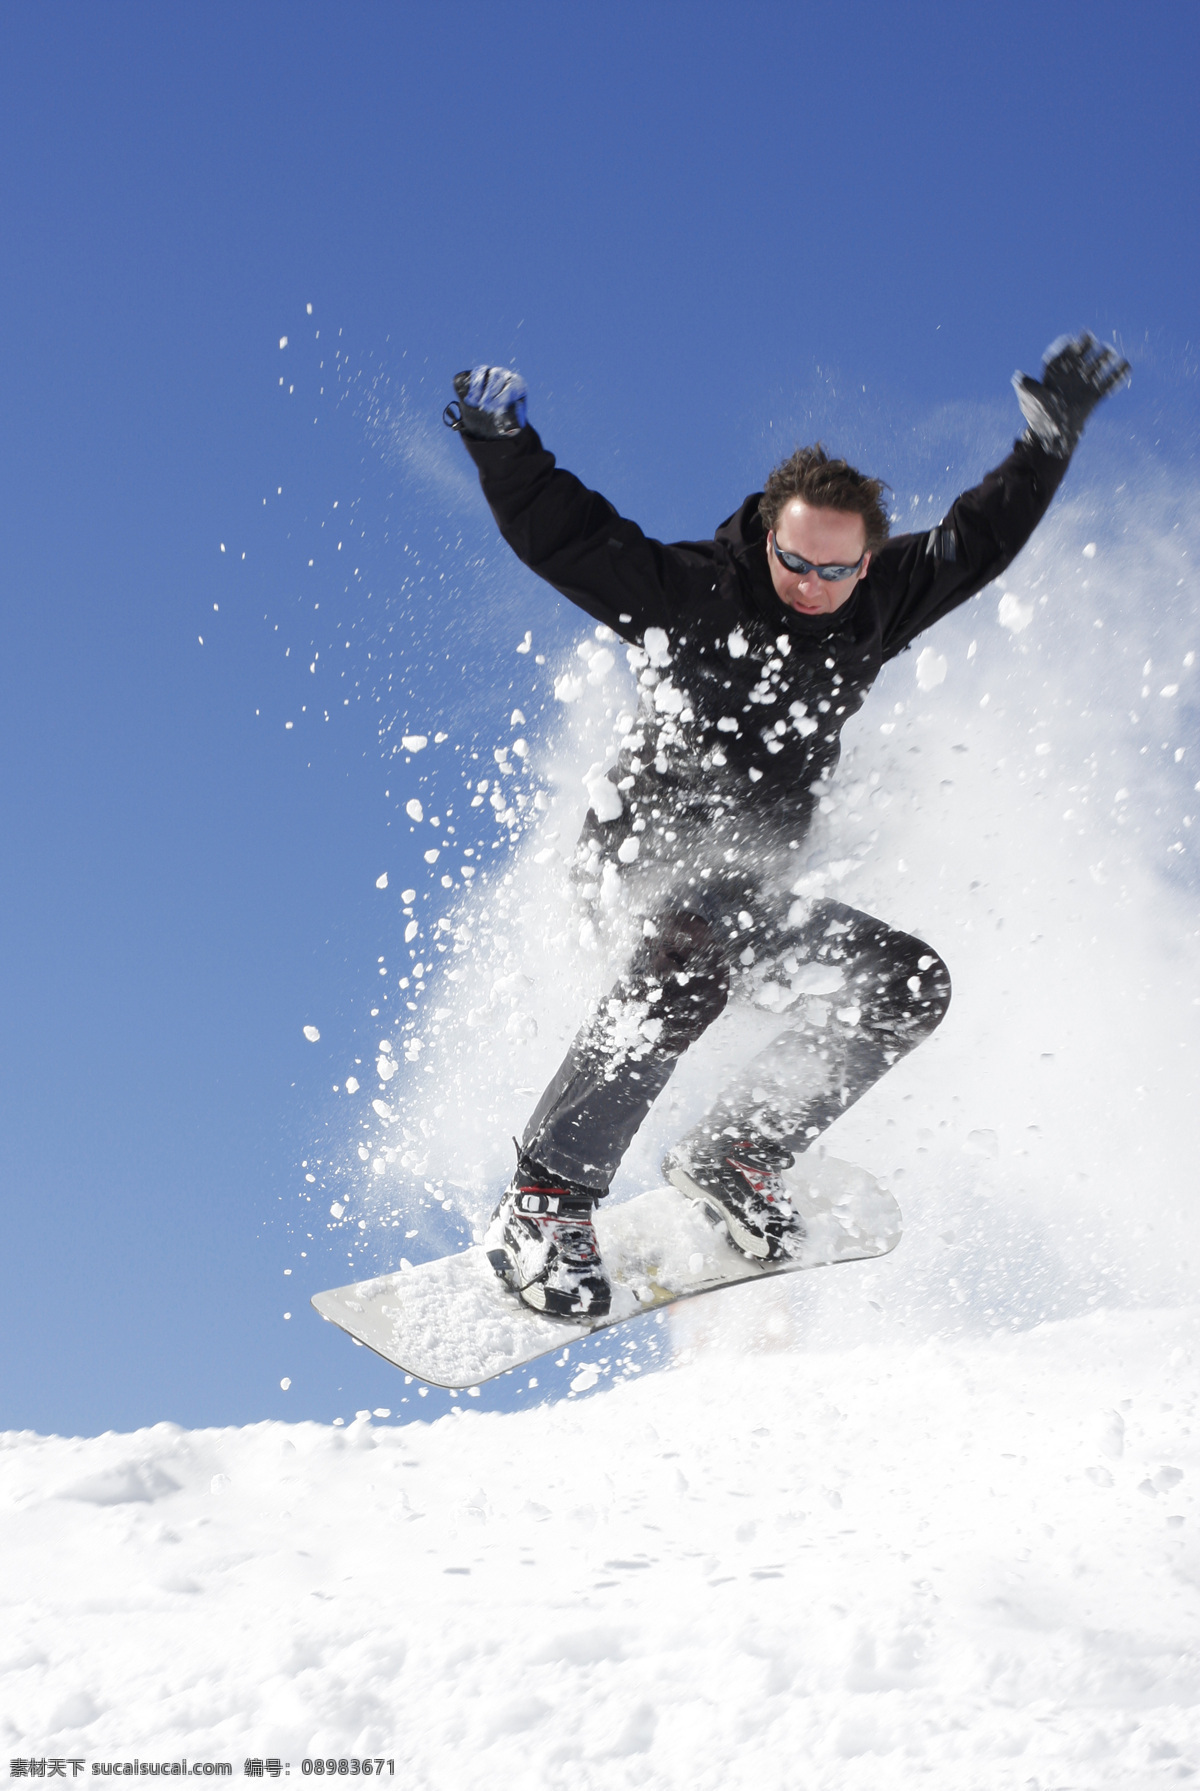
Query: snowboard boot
{"points": [[737, 1182], [542, 1242]]}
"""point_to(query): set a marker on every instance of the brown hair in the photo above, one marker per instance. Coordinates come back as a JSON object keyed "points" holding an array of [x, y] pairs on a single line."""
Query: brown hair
{"points": [[826, 484]]}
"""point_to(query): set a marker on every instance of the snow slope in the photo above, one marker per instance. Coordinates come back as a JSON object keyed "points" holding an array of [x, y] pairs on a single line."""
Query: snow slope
{"points": [[960, 1564]]}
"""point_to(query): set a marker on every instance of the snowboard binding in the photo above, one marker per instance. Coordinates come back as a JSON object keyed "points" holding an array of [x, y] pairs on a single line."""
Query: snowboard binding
{"points": [[739, 1185], [542, 1243]]}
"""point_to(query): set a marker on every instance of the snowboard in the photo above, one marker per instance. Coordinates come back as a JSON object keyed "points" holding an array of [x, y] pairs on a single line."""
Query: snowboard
{"points": [[453, 1323]]}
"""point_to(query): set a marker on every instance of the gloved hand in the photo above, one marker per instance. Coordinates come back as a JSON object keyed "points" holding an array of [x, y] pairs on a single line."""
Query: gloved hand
{"points": [[1077, 373], [491, 403]]}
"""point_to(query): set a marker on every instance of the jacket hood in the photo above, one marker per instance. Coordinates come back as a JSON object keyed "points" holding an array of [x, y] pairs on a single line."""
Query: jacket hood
{"points": [[745, 527]]}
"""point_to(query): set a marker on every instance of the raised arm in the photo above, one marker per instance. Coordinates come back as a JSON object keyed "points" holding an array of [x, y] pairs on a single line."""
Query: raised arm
{"points": [[921, 578], [568, 535]]}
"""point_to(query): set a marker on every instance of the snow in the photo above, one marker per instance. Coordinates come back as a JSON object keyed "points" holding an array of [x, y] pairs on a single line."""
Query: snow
{"points": [[604, 799], [953, 1563], [1013, 614], [932, 667]]}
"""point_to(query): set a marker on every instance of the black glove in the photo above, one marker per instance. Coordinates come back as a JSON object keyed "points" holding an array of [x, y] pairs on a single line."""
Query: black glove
{"points": [[1077, 373], [491, 402]]}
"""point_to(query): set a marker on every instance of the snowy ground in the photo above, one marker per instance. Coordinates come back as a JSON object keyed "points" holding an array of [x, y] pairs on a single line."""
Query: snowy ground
{"points": [[960, 1564]]}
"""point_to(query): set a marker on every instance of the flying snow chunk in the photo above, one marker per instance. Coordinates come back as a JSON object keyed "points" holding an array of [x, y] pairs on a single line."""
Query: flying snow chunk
{"points": [[351, 1084], [1013, 614], [311, 1034], [931, 669], [738, 644], [413, 809], [381, 882], [337, 1209], [283, 341], [817, 979], [1089, 552], [408, 895], [285, 1383], [603, 796], [414, 742], [658, 646], [568, 688]]}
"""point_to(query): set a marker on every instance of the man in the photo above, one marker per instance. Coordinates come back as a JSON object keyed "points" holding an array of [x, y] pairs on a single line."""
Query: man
{"points": [[753, 649]]}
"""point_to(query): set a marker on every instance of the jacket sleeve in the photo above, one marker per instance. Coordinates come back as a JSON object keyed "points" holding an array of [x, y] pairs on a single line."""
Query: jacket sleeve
{"points": [[577, 542], [921, 578]]}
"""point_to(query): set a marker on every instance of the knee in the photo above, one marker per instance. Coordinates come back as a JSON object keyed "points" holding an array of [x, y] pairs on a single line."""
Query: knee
{"points": [[927, 984], [907, 991]]}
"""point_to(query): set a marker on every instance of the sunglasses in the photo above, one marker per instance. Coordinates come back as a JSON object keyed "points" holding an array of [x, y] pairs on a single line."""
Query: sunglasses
{"points": [[830, 575]]}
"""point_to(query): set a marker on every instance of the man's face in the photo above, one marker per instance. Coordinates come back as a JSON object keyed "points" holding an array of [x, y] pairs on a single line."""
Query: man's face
{"points": [[824, 537]]}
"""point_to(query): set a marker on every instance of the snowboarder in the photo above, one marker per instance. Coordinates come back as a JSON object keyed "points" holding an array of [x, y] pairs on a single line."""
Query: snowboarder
{"points": [[754, 650]]}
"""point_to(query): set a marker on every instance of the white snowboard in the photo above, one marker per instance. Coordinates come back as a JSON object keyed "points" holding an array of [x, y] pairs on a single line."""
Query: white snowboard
{"points": [[453, 1323]]}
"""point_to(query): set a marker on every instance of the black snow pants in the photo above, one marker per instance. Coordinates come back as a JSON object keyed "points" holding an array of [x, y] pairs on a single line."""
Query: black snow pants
{"points": [[858, 996]]}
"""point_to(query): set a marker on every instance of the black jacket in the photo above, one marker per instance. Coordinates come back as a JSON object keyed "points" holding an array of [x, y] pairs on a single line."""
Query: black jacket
{"points": [[743, 701]]}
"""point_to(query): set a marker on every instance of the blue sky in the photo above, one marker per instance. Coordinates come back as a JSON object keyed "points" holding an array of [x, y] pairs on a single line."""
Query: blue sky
{"points": [[701, 232]]}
